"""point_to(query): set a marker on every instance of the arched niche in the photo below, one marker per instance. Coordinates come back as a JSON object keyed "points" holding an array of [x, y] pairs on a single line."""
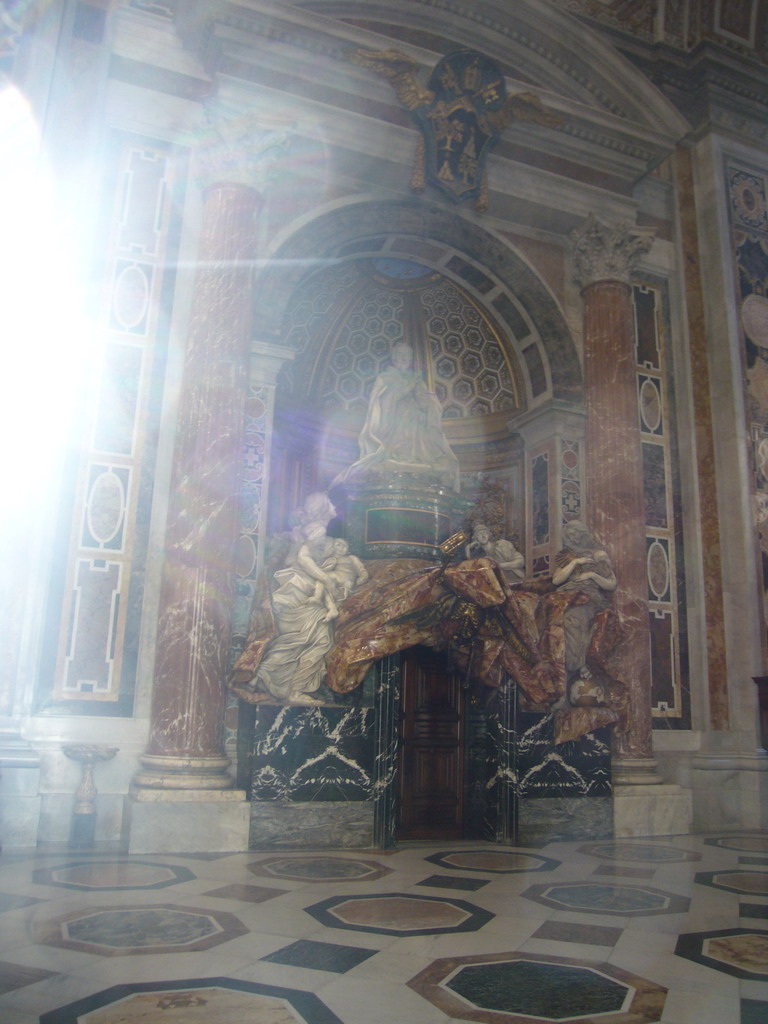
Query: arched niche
{"points": [[432, 235], [502, 352]]}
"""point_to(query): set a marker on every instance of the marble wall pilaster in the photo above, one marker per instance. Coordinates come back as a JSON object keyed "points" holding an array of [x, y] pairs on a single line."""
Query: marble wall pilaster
{"points": [[708, 523], [266, 362], [553, 437], [604, 258], [185, 749]]}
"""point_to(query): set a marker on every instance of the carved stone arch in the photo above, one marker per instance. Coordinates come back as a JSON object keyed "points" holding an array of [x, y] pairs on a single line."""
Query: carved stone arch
{"points": [[357, 228]]}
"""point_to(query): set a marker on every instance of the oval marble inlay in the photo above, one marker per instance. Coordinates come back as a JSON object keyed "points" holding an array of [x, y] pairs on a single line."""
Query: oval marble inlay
{"points": [[106, 504], [245, 555], [658, 570], [650, 405], [131, 297]]}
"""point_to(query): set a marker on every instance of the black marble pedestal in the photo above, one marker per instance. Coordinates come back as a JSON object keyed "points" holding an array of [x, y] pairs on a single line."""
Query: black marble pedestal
{"points": [[401, 517]]}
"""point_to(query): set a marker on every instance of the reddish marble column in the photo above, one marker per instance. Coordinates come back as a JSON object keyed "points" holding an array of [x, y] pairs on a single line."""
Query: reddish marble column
{"points": [[185, 748], [604, 259]]}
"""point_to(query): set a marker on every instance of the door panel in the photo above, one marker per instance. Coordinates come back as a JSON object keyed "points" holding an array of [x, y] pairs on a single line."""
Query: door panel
{"points": [[431, 748]]}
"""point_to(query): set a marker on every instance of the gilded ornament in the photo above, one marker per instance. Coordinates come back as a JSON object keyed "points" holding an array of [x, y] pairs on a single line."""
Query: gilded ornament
{"points": [[461, 115]]}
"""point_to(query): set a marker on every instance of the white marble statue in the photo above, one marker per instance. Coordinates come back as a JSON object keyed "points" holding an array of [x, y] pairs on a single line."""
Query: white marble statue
{"points": [[347, 571], [502, 551], [403, 431], [582, 565], [318, 574]]}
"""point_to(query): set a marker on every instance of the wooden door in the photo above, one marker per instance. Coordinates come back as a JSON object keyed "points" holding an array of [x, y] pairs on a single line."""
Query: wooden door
{"points": [[431, 748]]}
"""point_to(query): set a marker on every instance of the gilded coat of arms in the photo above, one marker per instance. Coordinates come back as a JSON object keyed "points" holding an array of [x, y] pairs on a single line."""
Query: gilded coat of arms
{"points": [[461, 114]]}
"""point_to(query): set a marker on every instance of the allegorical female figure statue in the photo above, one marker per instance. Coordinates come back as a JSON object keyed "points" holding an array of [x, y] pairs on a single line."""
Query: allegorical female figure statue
{"points": [[582, 565], [502, 551], [403, 431]]}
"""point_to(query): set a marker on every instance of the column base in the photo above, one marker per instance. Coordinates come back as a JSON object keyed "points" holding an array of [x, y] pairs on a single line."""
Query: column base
{"points": [[634, 771], [665, 810], [166, 772], [187, 821]]}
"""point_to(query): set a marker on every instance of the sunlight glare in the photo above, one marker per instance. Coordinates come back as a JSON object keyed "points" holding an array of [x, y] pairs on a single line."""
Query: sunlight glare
{"points": [[48, 340]]}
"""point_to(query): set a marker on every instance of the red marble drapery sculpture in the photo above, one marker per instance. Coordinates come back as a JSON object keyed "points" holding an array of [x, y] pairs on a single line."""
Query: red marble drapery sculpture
{"points": [[493, 632]]}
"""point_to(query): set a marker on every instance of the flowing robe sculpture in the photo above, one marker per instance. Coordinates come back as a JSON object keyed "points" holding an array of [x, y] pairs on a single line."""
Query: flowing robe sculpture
{"points": [[583, 567], [292, 632], [493, 631], [403, 431]]}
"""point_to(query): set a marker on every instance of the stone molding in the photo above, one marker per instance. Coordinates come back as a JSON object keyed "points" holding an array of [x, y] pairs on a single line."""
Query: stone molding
{"points": [[606, 103]]}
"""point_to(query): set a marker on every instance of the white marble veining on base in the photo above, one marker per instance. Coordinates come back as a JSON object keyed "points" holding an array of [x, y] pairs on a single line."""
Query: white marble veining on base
{"points": [[211, 821], [661, 810]]}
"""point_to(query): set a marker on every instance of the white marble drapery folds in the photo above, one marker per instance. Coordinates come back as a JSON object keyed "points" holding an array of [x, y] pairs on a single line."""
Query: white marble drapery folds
{"points": [[403, 432]]}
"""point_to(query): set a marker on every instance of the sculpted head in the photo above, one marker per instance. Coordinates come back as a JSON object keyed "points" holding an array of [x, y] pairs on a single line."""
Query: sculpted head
{"points": [[481, 533], [318, 508], [576, 535], [402, 356]]}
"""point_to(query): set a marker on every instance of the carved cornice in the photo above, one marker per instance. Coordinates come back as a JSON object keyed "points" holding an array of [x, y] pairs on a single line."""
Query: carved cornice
{"points": [[534, 41], [707, 81], [219, 36], [604, 252]]}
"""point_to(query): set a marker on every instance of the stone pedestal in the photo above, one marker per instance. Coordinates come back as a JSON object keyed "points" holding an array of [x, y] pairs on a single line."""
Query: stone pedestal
{"points": [[88, 755], [187, 821], [659, 810], [328, 825], [312, 780], [402, 517]]}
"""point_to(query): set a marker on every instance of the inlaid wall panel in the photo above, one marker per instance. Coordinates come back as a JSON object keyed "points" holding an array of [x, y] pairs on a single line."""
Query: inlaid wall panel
{"points": [[663, 534], [96, 587], [748, 208]]}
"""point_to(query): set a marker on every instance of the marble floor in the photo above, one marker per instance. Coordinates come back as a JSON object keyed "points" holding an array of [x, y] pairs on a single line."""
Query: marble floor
{"points": [[671, 929]]}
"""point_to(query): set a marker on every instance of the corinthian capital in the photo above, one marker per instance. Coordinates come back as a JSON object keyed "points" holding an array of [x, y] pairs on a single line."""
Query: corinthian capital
{"points": [[238, 148], [603, 252]]}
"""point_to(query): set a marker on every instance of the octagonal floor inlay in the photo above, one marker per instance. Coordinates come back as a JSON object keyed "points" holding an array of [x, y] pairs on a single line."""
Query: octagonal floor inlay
{"points": [[749, 883], [90, 875], [742, 843], [607, 898], [493, 861], [320, 869], [643, 852], [740, 952], [399, 914], [518, 988], [117, 931], [195, 1001]]}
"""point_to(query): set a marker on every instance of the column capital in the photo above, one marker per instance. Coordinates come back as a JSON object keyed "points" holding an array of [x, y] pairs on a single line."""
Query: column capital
{"points": [[239, 148], [267, 360], [605, 252]]}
